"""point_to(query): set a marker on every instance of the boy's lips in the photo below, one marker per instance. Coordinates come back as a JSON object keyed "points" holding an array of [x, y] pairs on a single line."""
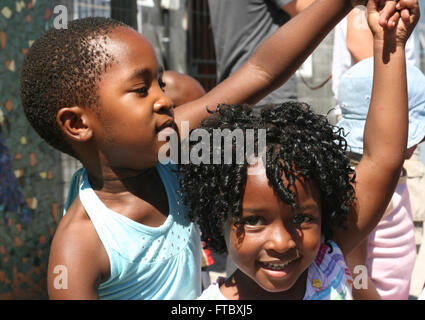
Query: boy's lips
{"points": [[169, 124]]}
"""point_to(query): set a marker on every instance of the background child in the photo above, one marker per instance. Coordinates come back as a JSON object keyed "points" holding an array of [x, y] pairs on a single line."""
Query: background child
{"points": [[94, 91], [393, 239], [181, 88], [390, 250], [272, 223]]}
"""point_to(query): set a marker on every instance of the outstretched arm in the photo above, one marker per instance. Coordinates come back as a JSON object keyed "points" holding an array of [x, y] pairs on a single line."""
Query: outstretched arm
{"points": [[296, 6], [385, 134], [273, 62]]}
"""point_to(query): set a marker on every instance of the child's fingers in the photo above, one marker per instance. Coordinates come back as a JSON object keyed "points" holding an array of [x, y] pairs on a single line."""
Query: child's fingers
{"points": [[392, 22], [402, 4], [407, 8], [387, 15], [405, 15]]}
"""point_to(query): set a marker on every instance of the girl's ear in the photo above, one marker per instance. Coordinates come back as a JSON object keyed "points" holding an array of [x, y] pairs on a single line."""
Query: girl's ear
{"points": [[74, 123]]}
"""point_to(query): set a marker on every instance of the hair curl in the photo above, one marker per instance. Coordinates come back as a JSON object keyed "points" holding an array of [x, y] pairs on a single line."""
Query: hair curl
{"points": [[299, 142], [63, 68]]}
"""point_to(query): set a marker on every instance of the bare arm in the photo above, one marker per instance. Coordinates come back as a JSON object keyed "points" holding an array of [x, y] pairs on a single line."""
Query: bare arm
{"points": [[359, 36], [385, 134], [272, 63], [296, 6]]}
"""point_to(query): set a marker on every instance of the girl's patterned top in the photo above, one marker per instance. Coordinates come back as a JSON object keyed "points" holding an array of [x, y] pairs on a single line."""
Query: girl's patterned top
{"points": [[328, 278]]}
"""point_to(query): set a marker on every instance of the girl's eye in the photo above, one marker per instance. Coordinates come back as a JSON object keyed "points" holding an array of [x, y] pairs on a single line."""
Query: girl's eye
{"points": [[301, 218], [252, 221]]}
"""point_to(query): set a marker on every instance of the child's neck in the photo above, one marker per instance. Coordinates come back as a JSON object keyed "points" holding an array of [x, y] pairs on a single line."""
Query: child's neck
{"points": [[140, 196], [241, 287], [114, 182]]}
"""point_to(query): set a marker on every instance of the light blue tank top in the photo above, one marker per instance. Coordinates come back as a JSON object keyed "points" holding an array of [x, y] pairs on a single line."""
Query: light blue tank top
{"points": [[149, 263]]}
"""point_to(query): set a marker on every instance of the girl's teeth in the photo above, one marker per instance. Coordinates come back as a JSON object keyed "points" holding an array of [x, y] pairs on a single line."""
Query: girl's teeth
{"points": [[275, 266]]}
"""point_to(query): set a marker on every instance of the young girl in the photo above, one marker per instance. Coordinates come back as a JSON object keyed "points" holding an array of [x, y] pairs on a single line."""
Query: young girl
{"points": [[288, 227]]}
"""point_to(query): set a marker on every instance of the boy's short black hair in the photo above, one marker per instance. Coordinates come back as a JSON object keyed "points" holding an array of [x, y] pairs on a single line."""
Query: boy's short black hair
{"points": [[299, 142], [62, 69]]}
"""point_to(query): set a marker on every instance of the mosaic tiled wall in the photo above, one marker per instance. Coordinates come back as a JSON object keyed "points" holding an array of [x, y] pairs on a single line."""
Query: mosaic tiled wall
{"points": [[30, 173]]}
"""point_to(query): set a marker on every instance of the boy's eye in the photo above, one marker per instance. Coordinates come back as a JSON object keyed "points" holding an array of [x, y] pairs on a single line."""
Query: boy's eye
{"points": [[252, 221], [143, 91], [301, 218], [162, 84]]}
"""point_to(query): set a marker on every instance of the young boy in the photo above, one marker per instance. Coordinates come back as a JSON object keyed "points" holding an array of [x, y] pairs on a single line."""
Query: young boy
{"points": [[94, 91]]}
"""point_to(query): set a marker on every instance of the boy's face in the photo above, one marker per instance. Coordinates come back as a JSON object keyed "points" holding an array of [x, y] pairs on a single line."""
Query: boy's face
{"points": [[133, 108], [274, 246]]}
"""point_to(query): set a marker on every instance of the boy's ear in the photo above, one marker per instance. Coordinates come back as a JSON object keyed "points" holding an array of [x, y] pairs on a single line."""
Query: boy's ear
{"points": [[74, 123]]}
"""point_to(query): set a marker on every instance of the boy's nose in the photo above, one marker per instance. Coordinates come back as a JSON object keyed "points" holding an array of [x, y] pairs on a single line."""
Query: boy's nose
{"points": [[163, 104], [279, 239]]}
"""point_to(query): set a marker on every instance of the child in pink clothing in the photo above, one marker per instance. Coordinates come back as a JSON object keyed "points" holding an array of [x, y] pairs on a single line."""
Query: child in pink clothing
{"points": [[390, 252], [391, 249]]}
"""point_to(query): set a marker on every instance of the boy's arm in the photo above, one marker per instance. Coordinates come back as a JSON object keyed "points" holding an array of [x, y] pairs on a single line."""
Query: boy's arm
{"points": [[76, 261], [273, 62], [385, 134], [296, 6]]}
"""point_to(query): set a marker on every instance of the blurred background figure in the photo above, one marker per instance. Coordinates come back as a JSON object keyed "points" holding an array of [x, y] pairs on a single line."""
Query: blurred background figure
{"points": [[240, 26], [181, 88], [353, 42], [390, 252]]}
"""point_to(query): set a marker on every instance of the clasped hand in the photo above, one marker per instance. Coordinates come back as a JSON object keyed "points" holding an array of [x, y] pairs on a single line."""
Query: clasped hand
{"points": [[394, 20]]}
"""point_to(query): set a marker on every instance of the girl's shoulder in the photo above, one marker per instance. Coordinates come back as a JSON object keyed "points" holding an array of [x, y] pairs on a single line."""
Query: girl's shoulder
{"points": [[328, 276], [329, 253]]}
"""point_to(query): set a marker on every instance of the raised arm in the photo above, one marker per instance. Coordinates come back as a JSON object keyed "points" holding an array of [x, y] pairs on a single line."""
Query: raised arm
{"points": [[296, 6], [273, 62], [385, 134]]}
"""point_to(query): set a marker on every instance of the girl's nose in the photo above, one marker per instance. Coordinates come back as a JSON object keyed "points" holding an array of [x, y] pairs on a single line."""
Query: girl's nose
{"points": [[279, 239]]}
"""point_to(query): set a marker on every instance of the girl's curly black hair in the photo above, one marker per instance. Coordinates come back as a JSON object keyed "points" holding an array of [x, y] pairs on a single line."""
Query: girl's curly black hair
{"points": [[299, 143]]}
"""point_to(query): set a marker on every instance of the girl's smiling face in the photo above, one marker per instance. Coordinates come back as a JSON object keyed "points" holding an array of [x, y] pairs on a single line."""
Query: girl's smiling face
{"points": [[273, 245]]}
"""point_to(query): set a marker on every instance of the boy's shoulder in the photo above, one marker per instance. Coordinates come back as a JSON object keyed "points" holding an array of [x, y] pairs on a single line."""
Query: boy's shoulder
{"points": [[77, 246], [76, 225]]}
